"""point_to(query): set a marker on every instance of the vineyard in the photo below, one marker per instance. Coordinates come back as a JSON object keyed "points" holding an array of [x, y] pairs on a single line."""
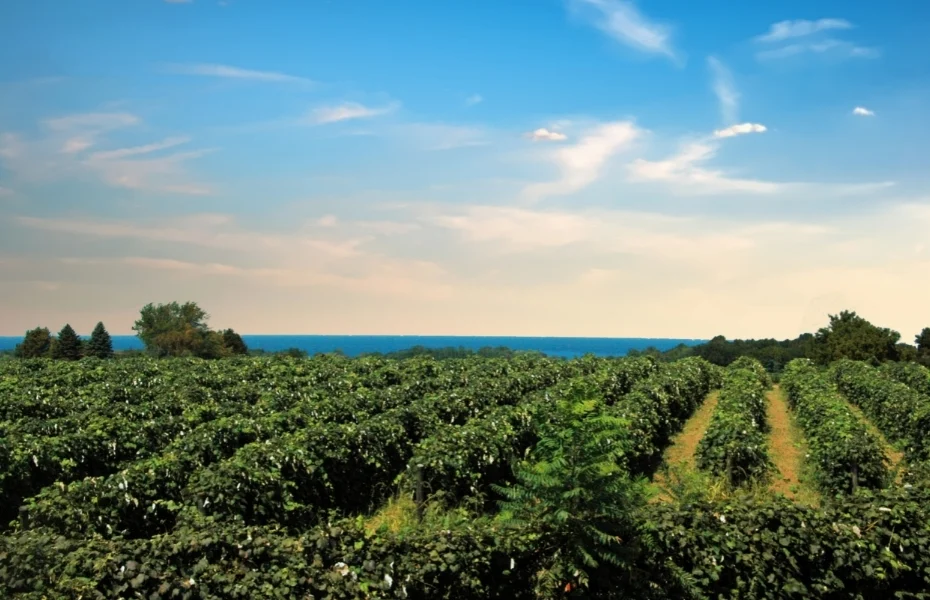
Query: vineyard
{"points": [[333, 477]]}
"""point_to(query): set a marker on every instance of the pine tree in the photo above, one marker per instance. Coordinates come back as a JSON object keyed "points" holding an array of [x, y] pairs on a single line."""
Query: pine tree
{"points": [[36, 344], [68, 345], [100, 346]]}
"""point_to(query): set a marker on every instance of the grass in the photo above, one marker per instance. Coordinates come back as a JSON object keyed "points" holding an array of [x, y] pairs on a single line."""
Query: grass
{"points": [[787, 448], [678, 459]]}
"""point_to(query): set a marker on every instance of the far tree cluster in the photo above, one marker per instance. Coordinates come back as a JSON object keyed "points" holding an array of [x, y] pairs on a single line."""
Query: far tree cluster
{"points": [[847, 335], [67, 345], [175, 329]]}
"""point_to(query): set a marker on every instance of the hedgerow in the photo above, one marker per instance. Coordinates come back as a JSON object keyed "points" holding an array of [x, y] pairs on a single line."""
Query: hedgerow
{"points": [[900, 412], [734, 444], [844, 452]]}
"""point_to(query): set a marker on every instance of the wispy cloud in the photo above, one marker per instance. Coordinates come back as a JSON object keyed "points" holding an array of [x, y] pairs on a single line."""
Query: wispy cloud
{"points": [[146, 149], [230, 72], [725, 90], [346, 111], [784, 30], [442, 136], [685, 172], [831, 47], [61, 151], [863, 112], [621, 20], [543, 134], [474, 99], [581, 163], [741, 129]]}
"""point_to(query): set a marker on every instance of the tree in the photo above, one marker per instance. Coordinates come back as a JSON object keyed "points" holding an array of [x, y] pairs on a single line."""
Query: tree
{"points": [[100, 345], [174, 329], [68, 345], [576, 500], [850, 336], [234, 342], [923, 346], [36, 344]]}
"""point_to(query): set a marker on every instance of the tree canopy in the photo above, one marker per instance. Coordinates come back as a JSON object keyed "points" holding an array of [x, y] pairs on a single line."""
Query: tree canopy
{"points": [[176, 329], [36, 344], [100, 345], [68, 345], [850, 336], [923, 346]]}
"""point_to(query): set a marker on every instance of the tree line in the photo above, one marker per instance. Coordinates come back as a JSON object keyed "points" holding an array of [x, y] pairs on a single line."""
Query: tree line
{"points": [[847, 335], [171, 329]]}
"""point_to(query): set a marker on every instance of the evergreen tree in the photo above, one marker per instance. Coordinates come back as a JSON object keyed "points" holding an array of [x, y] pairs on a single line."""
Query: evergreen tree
{"points": [[68, 345], [100, 345], [234, 342], [923, 346], [36, 344]]}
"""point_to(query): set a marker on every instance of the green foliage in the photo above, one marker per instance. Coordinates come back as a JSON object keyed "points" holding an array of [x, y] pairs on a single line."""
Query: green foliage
{"points": [[575, 499], [67, 346], [174, 329], [734, 444], [922, 340], [36, 344], [842, 448], [900, 412], [916, 377], [100, 344], [871, 545], [850, 336], [234, 343]]}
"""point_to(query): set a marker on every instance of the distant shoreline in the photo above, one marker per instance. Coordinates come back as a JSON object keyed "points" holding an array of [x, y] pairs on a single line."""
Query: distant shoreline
{"points": [[355, 345]]}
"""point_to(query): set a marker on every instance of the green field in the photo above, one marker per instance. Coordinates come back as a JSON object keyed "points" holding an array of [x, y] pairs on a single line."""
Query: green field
{"points": [[462, 478]]}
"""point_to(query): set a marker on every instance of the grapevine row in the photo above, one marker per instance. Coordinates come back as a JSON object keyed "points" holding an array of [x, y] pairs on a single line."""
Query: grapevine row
{"points": [[845, 453]]}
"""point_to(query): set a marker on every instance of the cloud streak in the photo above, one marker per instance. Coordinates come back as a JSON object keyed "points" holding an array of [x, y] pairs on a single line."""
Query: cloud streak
{"points": [[863, 112], [725, 90], [741, 129], [788, 29], [622, 21], [230, 72], [346, 111], [831, 47], [581, 163]]}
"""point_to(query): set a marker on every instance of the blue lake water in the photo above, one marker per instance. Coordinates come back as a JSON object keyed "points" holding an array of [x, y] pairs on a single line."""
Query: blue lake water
{"points": [[353, 345]]}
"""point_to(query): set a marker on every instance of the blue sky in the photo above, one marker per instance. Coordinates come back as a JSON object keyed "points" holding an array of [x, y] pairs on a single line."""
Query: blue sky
{"points": [[555, 167]]}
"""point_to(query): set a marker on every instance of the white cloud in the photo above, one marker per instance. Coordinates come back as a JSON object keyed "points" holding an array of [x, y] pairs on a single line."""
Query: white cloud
{"points": [[863, 112], [59, 152], [474, 99], [230, 72], [543, 134], [345, 112], [741, 129], [127, 152], [684, 172], [799, 28], [581, 162], [621, 20], [725, 90], [832, 47]]}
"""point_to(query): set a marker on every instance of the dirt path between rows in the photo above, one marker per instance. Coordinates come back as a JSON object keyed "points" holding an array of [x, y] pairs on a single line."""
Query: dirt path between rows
{"points": [[680, 453], [786, 446]]}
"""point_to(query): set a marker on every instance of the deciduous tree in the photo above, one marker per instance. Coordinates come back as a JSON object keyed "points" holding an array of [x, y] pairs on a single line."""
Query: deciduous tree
{"points": [[234, 342], [36, 344], [850, 336]]}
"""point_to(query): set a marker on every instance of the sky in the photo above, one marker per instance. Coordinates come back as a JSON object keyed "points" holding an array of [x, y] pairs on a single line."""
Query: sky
{"points": [[663, 168]]}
